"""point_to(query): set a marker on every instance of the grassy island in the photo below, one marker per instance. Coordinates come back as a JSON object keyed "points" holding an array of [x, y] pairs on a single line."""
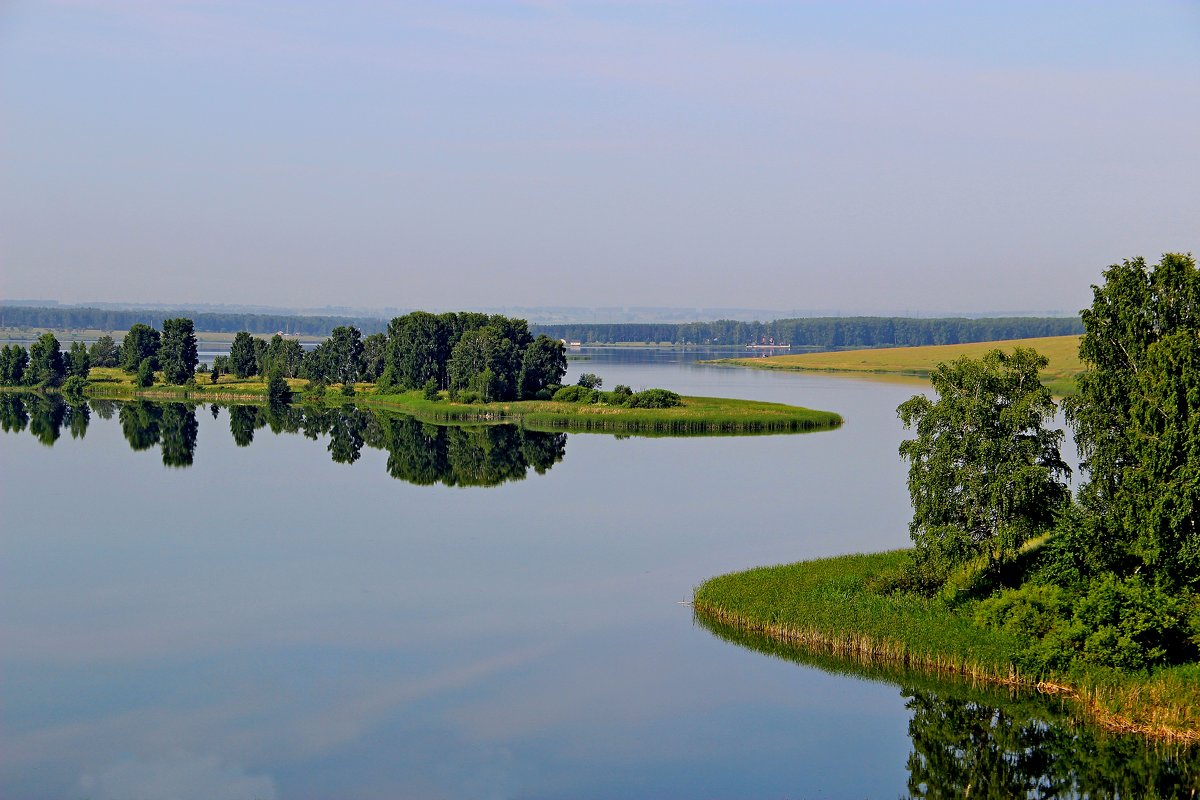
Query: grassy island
{"points": [[918, 363], [846, 607], [694, 415]]}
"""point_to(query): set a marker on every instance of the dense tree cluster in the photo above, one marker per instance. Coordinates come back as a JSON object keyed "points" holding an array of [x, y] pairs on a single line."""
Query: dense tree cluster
{"points": [[818, 332], [1118, 579], [822, 332]]}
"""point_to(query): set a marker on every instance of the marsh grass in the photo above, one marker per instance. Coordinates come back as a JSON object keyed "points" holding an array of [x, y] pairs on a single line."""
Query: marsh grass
{"points": [[918, 362], [831, 607]]}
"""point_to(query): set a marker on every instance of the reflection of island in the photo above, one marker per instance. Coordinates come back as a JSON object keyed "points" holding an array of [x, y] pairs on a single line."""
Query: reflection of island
{"points": [[990, 743], [418, 452]]}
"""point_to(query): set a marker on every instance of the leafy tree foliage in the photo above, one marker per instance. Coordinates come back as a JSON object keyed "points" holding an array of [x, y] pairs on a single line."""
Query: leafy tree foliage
{"points": [[241, 355], [145, 374], [140, 343], [14, 361], [1136, 419], [284, 355], [374, 357], [589, 380], [104, 352], [46, 367], [338, 359], [177, 354], [278, 391], [985, 474], [419, 347], [78, 361], [542, 366]]}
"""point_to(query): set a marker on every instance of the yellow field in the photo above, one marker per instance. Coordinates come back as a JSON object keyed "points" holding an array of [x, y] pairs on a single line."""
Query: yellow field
{"points": [[918, 362]]}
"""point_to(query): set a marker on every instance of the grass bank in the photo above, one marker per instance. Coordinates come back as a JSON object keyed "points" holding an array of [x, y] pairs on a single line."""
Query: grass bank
{"points": [[696, 416], [918, 362], [837, 607]]}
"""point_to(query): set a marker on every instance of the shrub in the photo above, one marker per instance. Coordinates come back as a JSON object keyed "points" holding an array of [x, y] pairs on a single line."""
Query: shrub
{"points": [[621, 394], [1031, 611], [1126, 624], [430, 390], [576, 394], [655, 398], [468, 396], [74, 387], [589, 380]]}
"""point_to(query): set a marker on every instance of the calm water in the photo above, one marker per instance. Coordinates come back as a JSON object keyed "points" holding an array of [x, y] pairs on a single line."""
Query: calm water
{"points": [[344, 606]]}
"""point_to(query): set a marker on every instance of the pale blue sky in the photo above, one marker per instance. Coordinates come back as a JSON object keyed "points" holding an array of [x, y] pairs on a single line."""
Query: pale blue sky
{"points": [[853, 157]]}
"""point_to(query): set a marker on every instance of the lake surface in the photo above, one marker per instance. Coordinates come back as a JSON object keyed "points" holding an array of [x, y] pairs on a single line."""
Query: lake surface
{"points": [[198, 606]]}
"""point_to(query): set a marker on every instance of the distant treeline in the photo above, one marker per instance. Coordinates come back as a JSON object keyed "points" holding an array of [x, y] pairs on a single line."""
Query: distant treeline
{"points": [[822, 332], [104, 319], [817, 332]]}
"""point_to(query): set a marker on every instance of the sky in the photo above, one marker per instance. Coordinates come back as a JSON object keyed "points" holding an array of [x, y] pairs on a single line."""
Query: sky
{"points": [[845, 157]]}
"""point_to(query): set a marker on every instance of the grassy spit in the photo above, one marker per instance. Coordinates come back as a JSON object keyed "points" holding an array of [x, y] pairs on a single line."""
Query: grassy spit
{"points": [[831, 606], [919, 362], [697, 415]]}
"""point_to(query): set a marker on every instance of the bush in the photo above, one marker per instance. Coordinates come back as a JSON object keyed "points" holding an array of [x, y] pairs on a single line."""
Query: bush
{"points": [[655, 398], [621, 394], [469, 396], [315, 391], [589, 380], [576, 394], [430, 390], [74, 387], [145, 373], [1031, 611], [1126, 624]]}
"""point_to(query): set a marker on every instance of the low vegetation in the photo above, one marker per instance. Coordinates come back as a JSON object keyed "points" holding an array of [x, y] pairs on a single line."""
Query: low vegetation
{"points": [[1011, 579], [918, 363]]}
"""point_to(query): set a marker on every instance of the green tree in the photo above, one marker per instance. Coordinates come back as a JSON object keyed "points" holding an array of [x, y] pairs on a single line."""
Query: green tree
{"points": [[241, 355], [46, 367], [543, 364], [1135, 421], [374, 357], [14, 361], [419, 346], [590, 380], [145, 374], [278, 391], [78, 360], [177, 354], [140, 343], [985, 474], [104, 352]]}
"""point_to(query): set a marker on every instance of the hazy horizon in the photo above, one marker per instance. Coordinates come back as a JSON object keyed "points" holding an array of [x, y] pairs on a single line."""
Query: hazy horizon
{"points": [[851, 158]]}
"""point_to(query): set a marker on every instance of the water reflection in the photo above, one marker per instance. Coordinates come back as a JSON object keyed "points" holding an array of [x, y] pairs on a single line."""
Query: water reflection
{"points": [[418, 452], [44, 415], [992, 743]]}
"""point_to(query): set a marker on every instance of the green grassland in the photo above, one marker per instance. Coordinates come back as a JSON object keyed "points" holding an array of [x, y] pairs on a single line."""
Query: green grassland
{"points": [[916, 363], [842, 607], [696, 416]]}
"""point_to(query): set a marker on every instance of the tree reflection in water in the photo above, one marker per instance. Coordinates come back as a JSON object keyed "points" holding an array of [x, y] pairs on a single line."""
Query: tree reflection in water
{"points": [[418, 452], [992, 743]]}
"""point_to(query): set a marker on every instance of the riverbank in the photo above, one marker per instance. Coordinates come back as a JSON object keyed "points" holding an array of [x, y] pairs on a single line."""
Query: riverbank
{"points": [[842, 607], [918, 362], [695, 416]]}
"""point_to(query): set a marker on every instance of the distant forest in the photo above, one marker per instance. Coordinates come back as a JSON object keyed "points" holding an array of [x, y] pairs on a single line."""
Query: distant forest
{"points": [[813, 332]]}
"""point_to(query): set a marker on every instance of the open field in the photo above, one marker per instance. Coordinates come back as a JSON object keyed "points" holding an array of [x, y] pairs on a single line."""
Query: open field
{"points": [[832, 606], [697, 415], [917, 363]]}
